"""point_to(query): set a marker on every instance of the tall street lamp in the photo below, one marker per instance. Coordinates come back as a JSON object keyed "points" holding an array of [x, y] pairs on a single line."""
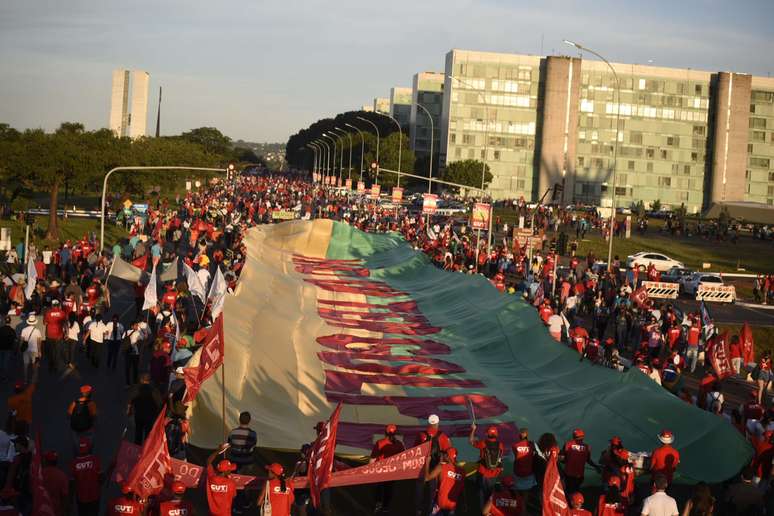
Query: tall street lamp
{"points": [[615, 146], [319, 155], [332, 133], [400, 139], [377, 144], [327, 160], [333, 140], [362, 148], [432, 138], [349, 137], [342, 133], [314, 156]]}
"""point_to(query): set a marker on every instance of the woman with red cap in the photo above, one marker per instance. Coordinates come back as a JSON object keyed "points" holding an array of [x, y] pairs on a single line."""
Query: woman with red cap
{"points": [[124, 504], [277, 493], [176, 506], [611, 503], [221, 489], [665, 458], [576, 505], [490, 462], [388, 446], [576, 454], [451, 482]]}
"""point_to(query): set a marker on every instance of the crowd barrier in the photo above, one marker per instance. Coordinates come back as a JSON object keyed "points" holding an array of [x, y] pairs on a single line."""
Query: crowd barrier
{"points": [[661, 290], [721, 294]]}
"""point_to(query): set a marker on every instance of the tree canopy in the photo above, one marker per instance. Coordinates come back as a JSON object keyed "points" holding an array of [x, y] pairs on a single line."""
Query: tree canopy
{"points": [[467, 172]]}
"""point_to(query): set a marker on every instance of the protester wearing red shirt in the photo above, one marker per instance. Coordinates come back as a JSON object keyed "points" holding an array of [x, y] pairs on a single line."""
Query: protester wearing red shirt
{"points": [[579, 337], [279, 491], [386, 447], [523, 470], [451, 481], [665, 459], [576, 505], [124, 504], [752, 409], [673, 336], [490, 462], [56, 483], [611, 503], [55, 320], [176, 506], [505, 500], [221, 489], [575, 455], [85, 470]]}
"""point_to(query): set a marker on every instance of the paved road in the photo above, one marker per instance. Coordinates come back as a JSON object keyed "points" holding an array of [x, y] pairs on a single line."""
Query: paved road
{"points": [[737, 313]]}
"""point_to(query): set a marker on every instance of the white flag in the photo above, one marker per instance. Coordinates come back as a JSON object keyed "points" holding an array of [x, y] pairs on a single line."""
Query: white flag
{"points": [[32, 278], [151, 297], [194, 284], [217, 294]]}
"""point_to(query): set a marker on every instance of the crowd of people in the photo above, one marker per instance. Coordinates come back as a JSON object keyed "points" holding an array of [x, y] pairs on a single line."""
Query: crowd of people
{"points": [[63, 317]]}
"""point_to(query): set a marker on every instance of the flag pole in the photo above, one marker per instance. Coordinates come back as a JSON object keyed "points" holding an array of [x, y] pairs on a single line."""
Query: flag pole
{"points": [[223, 396]]}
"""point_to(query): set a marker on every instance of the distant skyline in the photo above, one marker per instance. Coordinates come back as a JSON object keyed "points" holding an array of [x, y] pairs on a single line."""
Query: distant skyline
{"points": [[260, 71]]}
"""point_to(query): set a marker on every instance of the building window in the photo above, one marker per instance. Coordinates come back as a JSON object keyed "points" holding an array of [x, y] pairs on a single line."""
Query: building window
{"points": [[471, 154], [453, 138], [749, 148], [519, 184], [587, 188], [747, 174], [621, 190], [457, 152], [752, 108], [635, 138], [483, 154], [497, 154], [665, 181], [664, 154], [698, 130], [630, 165], [670, 140], [770, 190], [683, 196], [759, 162], [771, 176], [757, 123], [697, 89], [650, 153], [759, 136], [649, 167], [586, 106], [580, 161], [686, 170], [694, 156]]}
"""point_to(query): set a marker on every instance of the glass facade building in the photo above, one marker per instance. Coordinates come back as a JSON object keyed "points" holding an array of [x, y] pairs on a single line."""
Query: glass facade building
{"points": [[400, 106], [427, 91], [760, 145]]}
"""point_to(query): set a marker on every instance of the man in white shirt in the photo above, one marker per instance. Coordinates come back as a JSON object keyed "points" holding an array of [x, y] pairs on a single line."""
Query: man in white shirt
{"points": [[31, 338], [660, 503], [93, 338], [204, 277], [114, 334], [555, 323]]}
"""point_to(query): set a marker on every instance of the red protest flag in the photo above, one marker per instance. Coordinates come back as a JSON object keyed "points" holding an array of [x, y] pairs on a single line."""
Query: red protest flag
{"points": [[140, 262], [554, 499], [720, 356], [321, 457], [41, 500], [747, 344], [641, 299], [210, 359], [147, 477]]}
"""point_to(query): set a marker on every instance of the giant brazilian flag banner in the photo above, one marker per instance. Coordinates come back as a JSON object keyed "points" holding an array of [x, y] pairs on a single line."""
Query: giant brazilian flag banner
{"points": [[324, 313]]}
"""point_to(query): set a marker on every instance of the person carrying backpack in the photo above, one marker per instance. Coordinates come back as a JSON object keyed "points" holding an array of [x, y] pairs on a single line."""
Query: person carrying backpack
{"points": [[490, 463], [83, 416], [177, 429], [439, 443]]}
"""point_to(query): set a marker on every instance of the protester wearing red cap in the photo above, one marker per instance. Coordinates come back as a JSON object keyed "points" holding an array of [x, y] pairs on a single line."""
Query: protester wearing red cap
{"points": [[388, 446], [221, 489], [665, 459], [83, 415], [85, 469], [439, 443], [523, 464], [56, 483], [490, 462], [451, 481], [504, 500], [125, 504], [576, 505], [276, 497], [176, 506], [610, 502], [576, 454]]}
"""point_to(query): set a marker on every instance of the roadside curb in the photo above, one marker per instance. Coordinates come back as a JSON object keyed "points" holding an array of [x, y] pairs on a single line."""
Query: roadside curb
{"points": [[753, 305]]}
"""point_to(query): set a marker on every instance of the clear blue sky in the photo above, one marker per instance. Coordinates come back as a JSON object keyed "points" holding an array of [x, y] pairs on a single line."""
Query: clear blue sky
{"points": [[260, 70]]}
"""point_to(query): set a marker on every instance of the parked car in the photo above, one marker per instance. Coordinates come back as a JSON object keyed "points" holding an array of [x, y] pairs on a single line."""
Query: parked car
{"points": [[676, 275], [643, 259], [691, 283]]}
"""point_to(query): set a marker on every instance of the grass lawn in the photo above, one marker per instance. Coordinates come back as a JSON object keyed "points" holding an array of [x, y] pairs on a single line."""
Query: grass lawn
{"points": [[72, 228], [751, 255]]}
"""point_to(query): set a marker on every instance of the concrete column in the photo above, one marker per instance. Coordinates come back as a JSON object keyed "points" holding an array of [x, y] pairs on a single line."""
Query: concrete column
{"points": [[559, 125], [731, 106]]}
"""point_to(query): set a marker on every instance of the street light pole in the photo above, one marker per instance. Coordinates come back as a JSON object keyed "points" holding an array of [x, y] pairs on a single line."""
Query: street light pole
{"points": [[432, 138], [377, 144], [340, 133], [400, 139], [362, 148], [314, 156], [319, 156], [326, 159], [615, 146], [332, 139]]}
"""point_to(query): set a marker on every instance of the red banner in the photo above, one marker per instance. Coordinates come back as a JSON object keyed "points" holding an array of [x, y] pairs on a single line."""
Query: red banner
{"points": [[397, 194], [554, 499], [375, 190], [321, 457], [641, 299], [429, 203], [41, 499], [154, 463], [403, 466], [720, 356], [140, 262], [747, 344], [210, 359], [479, 217]]}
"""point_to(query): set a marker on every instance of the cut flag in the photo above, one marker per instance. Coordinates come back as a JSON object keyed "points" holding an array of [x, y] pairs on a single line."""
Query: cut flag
{"points": [[554, 498], [210, 359], [720, 356], [194, 284], [217, 295], [747, 344], [321, 457], [151, 295], [32, 278], [707, 326], [539, 296], [41, 499], [641, 299], [147, 477]]}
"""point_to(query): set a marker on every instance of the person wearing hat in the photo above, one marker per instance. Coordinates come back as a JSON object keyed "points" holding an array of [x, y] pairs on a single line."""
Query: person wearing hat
{"points": [[385, 447], [55, 321], [125, 504], [176, 506], [490, 462], [86, 472], [610, 502], [451, 481], [20, 401], [523, 464], [576, 454], [439, 443], [83, 415], [277, 492], [505, 500], [665, 459], [221, 489], [56, 482], [31, 339], [576, 505], [7, 345], [177, 390]]}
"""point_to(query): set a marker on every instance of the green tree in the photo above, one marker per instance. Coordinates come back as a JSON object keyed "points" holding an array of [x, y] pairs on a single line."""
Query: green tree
{"points": [[639, 209], [467, 172], [211, 139], [656, 205]]}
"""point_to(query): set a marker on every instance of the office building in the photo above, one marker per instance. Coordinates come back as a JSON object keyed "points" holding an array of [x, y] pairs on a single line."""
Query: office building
{"points": [[684, 137], [400, 106], [427, 91], [123, 121], [367, 107], [381, 104]]}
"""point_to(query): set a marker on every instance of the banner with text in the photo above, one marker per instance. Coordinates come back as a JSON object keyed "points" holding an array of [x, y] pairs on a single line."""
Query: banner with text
{"points": [[479, 217], [429, 203]]}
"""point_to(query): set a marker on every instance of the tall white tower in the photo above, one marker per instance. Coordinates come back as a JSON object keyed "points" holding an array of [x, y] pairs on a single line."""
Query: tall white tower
{"points": [[124, 122]]}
